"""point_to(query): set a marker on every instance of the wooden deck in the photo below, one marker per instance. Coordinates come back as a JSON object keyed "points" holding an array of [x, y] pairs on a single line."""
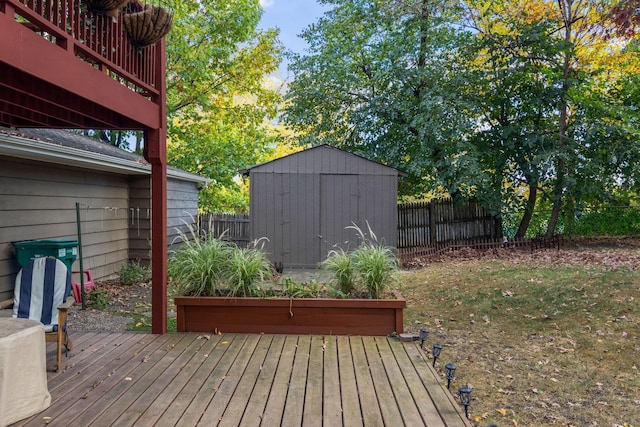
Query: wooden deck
{"points": [[191, 379]]}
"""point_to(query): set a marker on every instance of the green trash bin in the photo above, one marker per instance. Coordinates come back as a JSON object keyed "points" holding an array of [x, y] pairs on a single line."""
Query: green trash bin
{"points": [[66, 250]]}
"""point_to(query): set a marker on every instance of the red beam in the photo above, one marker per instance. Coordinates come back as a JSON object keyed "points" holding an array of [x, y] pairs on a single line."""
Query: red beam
{"points": [[65, 109], [27, 51]]}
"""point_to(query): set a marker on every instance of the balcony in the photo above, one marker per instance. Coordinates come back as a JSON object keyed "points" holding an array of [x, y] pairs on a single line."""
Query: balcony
{"points": [[63, 66]]}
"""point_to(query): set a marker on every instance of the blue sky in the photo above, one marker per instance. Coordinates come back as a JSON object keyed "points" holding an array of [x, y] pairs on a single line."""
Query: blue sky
{"points": [[291, 16]]}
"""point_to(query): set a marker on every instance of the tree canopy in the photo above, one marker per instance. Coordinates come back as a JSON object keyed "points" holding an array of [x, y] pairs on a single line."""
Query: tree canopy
{"points": [[219, 104], [380, 81], [503, 100]]}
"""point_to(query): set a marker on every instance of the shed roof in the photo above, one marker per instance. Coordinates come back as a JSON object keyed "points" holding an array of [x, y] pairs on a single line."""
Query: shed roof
{"points": [[71, 149], [337, 163]]}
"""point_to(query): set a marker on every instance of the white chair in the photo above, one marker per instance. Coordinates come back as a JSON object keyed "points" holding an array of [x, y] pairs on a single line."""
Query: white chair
{"points": [[41, 291]]}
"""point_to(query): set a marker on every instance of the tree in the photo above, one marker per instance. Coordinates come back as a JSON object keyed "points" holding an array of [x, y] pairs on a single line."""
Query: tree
{"points": [[507, 100], [379, 80], [543, 74], [218, 101]]}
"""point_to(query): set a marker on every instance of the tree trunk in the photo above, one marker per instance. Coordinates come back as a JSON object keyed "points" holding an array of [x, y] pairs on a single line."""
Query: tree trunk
{"points": [[568, 17], [553, 219], [528, 212], [138, 142]]}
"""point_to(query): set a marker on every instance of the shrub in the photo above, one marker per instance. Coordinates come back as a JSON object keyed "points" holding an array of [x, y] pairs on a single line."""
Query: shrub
{"points": [[244, 268], [374, 265], [134, 273], [99, 298], [197, 268], [371, 266], [340, 265], [206, 266], [607, 220]]}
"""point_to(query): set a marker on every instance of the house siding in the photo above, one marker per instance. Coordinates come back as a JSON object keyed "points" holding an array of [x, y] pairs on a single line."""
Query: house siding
{"points": [[140, 224], [38, 201], [182, 209]]}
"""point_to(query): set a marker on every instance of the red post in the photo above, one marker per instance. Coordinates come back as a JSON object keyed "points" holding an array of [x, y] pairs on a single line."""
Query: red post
{"points": [[156, 154]]}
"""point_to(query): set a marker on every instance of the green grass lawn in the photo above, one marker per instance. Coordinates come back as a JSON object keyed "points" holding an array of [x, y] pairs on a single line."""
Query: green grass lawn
{"points": [[540, 344]]}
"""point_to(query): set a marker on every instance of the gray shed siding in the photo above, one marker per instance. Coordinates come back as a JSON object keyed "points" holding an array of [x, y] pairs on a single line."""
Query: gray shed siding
{"points": [[303, 202], [37, 201], [182, 208]]}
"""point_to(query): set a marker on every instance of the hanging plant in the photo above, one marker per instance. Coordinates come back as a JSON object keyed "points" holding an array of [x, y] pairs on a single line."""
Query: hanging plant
{"points": [[106, 7], [147, 26]]}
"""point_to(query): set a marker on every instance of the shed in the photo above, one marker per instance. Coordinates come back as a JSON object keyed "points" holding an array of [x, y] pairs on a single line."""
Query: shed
{"points": [[304, 202], [44, 172]]}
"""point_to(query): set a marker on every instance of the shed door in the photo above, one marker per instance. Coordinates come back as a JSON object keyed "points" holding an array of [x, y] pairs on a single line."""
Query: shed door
{"points": [[339, 201]]}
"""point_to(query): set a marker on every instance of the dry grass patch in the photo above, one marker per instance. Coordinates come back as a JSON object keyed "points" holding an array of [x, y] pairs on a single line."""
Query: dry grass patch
{"points": [[540, 343]]}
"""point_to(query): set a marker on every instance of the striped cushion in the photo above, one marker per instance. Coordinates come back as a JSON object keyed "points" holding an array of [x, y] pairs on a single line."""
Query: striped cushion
{"points": [[41, 286]]}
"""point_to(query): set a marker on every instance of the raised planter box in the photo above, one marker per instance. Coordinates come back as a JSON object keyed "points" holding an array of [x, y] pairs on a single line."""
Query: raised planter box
{"points": [[291, 316]]}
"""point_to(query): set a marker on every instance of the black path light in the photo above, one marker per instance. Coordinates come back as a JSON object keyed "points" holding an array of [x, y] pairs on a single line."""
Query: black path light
{"points": [[437, 348], [450, 373], [424, 333], [465, 399]]}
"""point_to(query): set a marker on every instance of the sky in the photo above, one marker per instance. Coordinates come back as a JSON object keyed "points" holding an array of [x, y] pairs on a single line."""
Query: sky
{"points": [[291, 16]]}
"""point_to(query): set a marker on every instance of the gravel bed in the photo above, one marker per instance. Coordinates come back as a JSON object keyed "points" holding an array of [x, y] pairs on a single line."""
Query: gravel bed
{"points": [[123, 302], [96, 320]]}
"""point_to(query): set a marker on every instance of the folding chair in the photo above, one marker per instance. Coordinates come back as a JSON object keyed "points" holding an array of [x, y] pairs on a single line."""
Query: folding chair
{"points": [[40, 294], [88, 284]]}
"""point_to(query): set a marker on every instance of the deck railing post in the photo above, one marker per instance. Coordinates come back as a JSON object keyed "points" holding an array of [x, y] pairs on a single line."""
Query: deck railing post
{"points": [[156, 154]]}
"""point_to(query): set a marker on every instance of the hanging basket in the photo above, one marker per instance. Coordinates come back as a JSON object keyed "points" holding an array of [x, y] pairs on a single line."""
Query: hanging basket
{"points": [[106, 7], [148, 26]]}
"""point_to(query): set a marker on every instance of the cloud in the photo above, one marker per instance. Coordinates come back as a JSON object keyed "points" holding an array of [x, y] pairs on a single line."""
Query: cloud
{"points": [[266, 3]]}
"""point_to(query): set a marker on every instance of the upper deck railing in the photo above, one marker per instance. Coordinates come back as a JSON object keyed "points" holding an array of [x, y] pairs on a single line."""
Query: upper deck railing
{"points": [[96, 39]]}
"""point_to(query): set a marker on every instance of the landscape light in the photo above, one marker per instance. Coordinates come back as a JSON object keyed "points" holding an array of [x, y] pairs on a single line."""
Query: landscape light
{"points": [[450, 373], [437, 348], [465, 399], [424, 333]]}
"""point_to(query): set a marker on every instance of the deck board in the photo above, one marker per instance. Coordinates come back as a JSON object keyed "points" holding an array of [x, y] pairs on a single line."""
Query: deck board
{"points": [[312, 411], [127, 385], [386, 400], [255, 408], [350, 401], [272, 415], [369, 406], [171, 393], [195, 391], [294, 404], [332, 398], [241, 395], [134, 379]]}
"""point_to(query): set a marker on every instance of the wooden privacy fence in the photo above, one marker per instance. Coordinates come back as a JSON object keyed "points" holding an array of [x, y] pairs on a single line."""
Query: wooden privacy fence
{"points": [[231, 227], [425, 224], [420, 224]]}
